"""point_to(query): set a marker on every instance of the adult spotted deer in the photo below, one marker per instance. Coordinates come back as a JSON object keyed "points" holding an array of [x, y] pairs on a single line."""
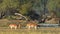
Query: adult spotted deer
{"points": [[32, 24], [15, 26]]}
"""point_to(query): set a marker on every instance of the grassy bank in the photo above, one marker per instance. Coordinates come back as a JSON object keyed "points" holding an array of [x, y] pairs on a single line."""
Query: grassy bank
{"points": [[25, 31]]}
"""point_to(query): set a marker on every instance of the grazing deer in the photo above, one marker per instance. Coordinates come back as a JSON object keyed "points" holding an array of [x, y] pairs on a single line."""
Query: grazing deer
{"points": [[32, 25], [15, 26]]}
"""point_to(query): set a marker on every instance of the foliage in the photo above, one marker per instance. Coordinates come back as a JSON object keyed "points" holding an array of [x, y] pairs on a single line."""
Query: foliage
{"points": [[52, 4], [25, 7], [6, 4]]}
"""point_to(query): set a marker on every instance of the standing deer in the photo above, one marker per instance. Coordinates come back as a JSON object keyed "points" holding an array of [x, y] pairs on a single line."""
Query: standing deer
{"points": [[15, 26], [32, 24]]}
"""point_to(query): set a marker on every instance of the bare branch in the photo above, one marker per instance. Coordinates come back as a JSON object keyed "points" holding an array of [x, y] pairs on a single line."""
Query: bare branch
{"points": [[20, 15]]}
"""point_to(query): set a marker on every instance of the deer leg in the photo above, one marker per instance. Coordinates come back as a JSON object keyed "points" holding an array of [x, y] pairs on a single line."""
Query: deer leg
{"points": [[15, 28], [35, 27], [29, 27], [11, 27]]}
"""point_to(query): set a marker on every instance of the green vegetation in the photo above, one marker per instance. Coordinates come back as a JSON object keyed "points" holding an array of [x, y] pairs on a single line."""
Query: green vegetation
{"points": [[9, 7], [28, 8], [25, 31]]}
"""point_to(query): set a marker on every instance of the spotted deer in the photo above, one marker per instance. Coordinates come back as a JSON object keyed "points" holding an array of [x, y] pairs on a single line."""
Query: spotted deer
{"points": [[32, 25], [15, 26]]}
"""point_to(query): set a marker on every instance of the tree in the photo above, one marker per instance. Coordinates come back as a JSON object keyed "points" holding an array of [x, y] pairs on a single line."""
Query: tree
{"points": [[53, 5], [25, 7], [6, 5]]}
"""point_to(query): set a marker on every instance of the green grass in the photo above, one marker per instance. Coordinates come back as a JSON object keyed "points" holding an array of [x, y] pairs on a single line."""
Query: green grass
{"points": [[25, 31], [3, 30]]}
